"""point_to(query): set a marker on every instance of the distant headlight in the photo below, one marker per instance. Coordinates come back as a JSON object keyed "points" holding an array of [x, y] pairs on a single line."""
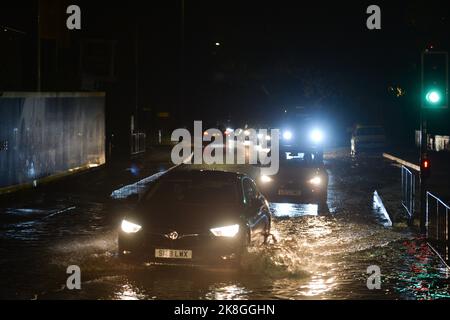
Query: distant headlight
{"points": [[316, 181], [266, 179], [263, 137], [287, 135], [316, 136], [229, 231], [129, 227]]}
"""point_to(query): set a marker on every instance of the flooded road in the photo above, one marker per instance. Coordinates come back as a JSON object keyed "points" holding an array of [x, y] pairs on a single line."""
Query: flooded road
{"points": [[314, 257]]}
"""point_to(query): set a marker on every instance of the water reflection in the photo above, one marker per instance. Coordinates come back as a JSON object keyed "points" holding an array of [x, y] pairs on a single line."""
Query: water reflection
{"points": [[420, 280], [317, 286], [281, 210], [227, 292], [128, 292]]}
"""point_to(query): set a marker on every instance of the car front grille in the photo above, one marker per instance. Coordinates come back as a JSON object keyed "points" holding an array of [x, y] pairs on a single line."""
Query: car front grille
{"points": [[181, 242]]}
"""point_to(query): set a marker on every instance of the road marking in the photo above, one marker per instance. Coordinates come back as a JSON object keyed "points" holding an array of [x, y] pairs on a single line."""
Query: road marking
{"points": [[379, 207], [136, 187]]}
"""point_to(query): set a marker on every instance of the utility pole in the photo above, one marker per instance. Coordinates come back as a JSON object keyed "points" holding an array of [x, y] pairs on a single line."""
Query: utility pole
{"points": [[38, 73], [423, 176]]}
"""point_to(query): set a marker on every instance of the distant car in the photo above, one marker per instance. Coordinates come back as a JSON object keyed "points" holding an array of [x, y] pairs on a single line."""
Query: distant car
{"points": [[196, 217], [302, 178], [367, 138]]}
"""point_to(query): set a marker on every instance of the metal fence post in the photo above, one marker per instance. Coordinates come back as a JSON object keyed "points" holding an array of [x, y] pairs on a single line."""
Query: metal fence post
{"points": [[447, 258], [438, 238]]}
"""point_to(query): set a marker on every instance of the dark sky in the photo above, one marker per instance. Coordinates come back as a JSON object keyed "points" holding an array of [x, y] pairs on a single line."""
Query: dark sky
{"points": [[271, 50], [273, 54]]}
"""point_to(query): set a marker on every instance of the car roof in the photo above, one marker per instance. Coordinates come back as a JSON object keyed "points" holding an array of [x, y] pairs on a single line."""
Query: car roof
{"points": [[199, 173]]}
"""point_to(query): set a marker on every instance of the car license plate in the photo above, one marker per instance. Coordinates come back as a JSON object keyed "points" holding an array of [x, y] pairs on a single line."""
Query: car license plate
{"points": [[285, 192], [173, 254]]}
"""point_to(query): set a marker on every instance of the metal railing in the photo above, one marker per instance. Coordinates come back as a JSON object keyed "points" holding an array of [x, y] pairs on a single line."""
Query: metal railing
{"points": [[437, 225], [408, 190], [137, 143]]}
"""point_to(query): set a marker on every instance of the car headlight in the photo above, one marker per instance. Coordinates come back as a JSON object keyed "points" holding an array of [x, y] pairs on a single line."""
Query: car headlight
{"points": [[266, 179], [287, 135], [316, 136], [228, 231], [316, 181], [263, 137], [130, 227]]}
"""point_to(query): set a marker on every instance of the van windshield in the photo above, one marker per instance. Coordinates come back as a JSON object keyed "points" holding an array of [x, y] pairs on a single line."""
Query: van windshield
{"points": [[300, 158]]}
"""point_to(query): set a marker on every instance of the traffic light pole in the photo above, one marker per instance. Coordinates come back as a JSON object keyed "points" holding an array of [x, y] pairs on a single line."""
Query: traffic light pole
{"points": [[423, 155], [434, 96], [423, 178]]}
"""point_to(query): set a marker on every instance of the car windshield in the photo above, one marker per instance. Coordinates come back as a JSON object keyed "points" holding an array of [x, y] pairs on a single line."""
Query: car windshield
{"points": [[375, 131], [205, 190], [301, 158]]}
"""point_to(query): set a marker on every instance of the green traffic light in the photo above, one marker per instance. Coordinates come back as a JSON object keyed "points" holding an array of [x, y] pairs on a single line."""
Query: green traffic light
{"points": [[433, 97]]}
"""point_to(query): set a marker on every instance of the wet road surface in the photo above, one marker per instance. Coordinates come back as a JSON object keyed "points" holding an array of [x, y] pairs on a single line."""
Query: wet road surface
{"points": [[315, 256]]}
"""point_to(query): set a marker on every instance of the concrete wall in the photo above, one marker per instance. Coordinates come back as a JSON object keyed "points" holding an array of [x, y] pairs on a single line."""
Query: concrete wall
{"points": [[49, 134]]}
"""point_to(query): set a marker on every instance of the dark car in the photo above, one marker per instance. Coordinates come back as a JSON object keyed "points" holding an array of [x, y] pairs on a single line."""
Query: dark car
{"points": [[302, 178], [196, 217]]}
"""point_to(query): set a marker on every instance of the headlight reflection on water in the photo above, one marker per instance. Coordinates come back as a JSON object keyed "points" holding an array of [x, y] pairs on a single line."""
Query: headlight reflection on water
{"points": [[227, 292], [317, 286], [293, 210], [127, 292]]}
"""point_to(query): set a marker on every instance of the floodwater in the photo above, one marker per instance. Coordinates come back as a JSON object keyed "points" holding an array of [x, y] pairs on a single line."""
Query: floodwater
{"points": [[314, 256]]}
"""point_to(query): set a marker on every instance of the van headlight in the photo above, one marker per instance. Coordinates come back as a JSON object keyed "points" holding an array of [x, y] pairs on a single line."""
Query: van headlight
{"points": [[130, 227], [266, 179], [316, 136], [228, 231]]}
